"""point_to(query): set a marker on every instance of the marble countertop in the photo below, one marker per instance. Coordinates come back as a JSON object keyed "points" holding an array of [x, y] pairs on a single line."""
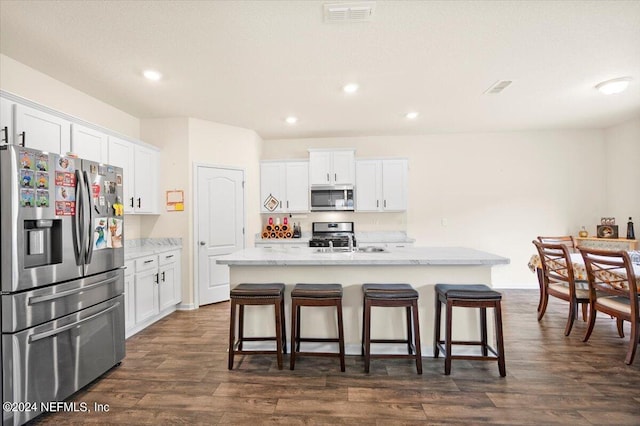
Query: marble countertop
{"points": [[436, 256], [134, 249]]}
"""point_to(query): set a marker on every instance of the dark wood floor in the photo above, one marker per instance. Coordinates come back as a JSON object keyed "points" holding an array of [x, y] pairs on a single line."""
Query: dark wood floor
{"points": [[176, 372]]}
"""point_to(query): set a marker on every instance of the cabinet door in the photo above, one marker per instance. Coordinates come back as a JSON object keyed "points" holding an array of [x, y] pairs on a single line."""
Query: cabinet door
{"points": [[129, 302], [320, 168], [272, 182], [297, 186], [40, 130], [394, 185], [146, 295], [343, 167], [89, 143], [145, 176], [121, 154], [368, 186], [6, 121], [166, 286]]}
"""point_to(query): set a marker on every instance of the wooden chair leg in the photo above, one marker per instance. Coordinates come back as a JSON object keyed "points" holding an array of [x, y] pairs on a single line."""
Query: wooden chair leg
{"points": [[592, 322], [436, 331], [572, 315], [284, 328], [416, 336], [620, 325], [633, 342], [294, 333], [240, 326], [543, 307], [363, 320], [409, 331], [483, 331], [448, 335], [232, 329], [500, 340], [367, 335], [279, 320], [340, 335], [585, 306]]}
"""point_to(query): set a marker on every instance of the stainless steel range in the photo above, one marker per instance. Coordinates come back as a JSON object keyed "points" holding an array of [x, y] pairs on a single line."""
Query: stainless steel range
{"points": [[61, 245], [332, 234]]}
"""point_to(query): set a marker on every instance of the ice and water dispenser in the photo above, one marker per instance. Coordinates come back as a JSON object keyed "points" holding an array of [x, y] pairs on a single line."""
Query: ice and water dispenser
{"points": [[42, 242]]}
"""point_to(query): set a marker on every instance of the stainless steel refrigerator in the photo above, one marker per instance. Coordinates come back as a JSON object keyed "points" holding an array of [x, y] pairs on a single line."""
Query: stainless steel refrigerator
{"points": [[62, 258]]}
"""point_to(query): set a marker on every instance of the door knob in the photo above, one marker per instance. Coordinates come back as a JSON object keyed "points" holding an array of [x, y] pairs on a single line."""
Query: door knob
{"points": [[202, 243]]}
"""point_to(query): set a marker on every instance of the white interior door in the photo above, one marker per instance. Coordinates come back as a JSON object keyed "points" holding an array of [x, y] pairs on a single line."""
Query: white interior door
{"points": [[220, 228]]}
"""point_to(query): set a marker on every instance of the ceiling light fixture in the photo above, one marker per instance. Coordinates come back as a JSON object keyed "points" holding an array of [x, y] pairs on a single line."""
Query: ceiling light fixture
{"points": [[411, 115], [291, 119], [616, 85], [152, 75], [350, 88]]}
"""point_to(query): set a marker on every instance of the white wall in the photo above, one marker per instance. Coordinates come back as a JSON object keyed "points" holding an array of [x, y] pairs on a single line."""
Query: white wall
{"points": [[185, 141], [31, 84], [497, 191], [623, 175]]}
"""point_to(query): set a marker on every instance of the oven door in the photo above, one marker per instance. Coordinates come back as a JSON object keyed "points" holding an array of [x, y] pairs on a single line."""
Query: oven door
{"points": [[53, 360]]}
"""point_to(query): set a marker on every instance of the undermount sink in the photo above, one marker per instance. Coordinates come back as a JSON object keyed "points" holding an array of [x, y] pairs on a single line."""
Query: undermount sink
{"points": [[346, 250], [371, 249]]}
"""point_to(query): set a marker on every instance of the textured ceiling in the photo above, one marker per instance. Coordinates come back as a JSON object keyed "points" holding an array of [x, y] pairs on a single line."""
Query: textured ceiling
{"points": [[252, 63]]}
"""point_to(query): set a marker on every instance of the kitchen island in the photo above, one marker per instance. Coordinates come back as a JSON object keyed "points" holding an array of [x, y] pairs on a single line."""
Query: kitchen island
{"points": [[422, 267]]}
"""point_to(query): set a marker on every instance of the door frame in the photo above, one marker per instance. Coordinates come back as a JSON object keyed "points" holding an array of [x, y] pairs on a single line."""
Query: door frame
{"points": [[195, 228]]}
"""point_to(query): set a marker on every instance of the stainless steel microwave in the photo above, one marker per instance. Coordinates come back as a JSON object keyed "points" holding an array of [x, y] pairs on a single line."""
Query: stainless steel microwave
{"points": [[333, 197]]}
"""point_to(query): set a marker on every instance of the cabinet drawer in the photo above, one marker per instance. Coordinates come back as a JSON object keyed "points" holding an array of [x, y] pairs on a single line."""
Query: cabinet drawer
{"points": [[146, 263], [168, 257], [129, 267]]}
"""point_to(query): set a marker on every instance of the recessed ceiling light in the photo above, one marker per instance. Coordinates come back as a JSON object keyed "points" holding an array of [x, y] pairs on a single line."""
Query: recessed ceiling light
{"points": [[616, 85], [291, 119], [152, 75], [350, 88], [411, 115]]}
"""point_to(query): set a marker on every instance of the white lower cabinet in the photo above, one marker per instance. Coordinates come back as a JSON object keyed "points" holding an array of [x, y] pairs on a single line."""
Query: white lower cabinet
{"points": [[153, 291], [129, 299]]}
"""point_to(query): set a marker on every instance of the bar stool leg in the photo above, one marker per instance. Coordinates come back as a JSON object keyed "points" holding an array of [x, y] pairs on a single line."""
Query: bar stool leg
{"points": [[436, 332], [279, 319], [448, 333], [367, 334], [232, 330], [340, 334], [499, 339], [483, 331], [409, 331], [284, 329], [241, 327], [294, 332], [364, 312], [416, 334]]}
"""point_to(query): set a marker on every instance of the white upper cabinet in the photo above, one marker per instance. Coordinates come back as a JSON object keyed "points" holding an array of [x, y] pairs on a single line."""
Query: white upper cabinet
{"points": [[381, 185], [288, 183], [332, 167], [6, 121], [89, 143], [139, 175], [40, 130]]}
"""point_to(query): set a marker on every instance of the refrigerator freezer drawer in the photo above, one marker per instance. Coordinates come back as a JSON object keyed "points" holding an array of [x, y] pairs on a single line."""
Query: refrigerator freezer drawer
{"points": [[52, 361], [31, 308]]}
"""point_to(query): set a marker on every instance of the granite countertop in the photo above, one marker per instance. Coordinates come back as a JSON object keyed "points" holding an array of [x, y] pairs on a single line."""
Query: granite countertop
{"points": [[436, 256], [137, 248]]}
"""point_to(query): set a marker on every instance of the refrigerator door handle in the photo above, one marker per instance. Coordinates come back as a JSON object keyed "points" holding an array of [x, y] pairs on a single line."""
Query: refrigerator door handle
{"points": [[90, 207], [36, 337], [48, 297], [78, 222]]}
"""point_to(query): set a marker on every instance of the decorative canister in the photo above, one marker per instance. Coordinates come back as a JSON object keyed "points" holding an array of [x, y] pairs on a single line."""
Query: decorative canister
{"points": [[583, 233]]}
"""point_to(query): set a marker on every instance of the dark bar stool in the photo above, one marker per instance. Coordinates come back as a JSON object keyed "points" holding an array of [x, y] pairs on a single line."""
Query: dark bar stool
{"points": [[257, 294], [315, 295], [469, 296], [391, 295]]}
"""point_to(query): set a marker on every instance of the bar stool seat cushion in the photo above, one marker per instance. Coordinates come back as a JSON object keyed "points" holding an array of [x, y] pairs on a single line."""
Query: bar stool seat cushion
{"points": [[468, 292], [389, 291], [257, 290], [317, 291]]}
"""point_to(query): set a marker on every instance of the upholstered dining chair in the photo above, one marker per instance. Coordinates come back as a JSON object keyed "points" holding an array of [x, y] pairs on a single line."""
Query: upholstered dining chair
{"points": [[558, 280], [613, 290]]}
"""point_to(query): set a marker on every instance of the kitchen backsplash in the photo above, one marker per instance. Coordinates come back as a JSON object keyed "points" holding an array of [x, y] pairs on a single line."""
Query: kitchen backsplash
{"points": [[363, 222]]}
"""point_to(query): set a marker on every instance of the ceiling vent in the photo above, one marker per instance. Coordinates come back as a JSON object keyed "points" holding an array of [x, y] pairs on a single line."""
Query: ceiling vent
{"points": [[498, 87], [349, 12]]}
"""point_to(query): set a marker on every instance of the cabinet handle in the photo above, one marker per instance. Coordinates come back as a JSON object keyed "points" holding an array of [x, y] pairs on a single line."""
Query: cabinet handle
{"points": [[132, 202], [287, 203], [168, 257], [6, 134], [335, 177], [163, 280], [377, 203], [327, 177], [139, 202], [149, 261], [157, 278], [24, 138], [385, 203]]}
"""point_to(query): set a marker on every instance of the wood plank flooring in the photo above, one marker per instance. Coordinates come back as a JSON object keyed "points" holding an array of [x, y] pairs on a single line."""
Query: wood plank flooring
{"points": [[176, 372]]}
